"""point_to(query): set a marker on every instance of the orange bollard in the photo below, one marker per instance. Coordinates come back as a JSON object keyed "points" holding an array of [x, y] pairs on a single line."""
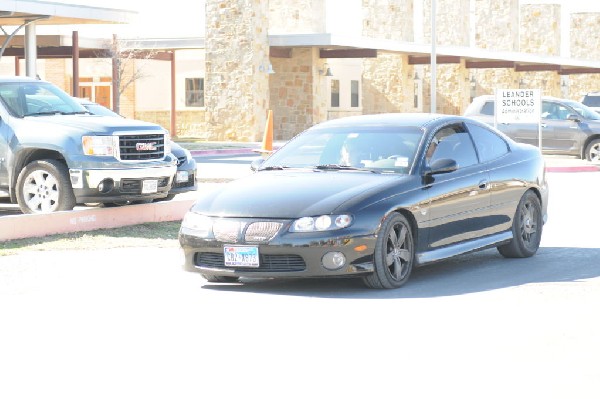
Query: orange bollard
{"points": [[267, 144]]}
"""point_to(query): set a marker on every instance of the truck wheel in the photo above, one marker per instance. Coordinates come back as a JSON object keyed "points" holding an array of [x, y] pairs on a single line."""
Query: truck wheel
{"points": [[44, 186]]}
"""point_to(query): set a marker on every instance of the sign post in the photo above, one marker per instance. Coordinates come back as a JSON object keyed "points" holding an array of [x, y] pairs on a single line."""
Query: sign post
{"points": [[519, 106]]}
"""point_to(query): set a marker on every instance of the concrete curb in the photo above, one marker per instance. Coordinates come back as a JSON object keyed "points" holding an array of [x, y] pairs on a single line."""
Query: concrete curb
{"points": [[27, 226]]}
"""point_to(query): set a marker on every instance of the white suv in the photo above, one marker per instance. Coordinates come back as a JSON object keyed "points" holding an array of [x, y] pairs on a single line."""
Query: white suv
{"points": [[592, 100]]}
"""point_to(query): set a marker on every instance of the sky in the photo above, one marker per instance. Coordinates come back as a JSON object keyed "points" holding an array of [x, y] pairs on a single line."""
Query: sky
{"points": [[185, 18]]}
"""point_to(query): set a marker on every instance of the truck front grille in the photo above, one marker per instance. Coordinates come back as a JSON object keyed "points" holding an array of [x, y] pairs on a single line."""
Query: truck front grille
{"points": [[141, 147]]}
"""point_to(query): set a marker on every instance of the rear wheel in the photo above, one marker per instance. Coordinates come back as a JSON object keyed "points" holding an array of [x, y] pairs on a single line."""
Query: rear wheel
{"points": [[394, 254], [221, 279], [44, 186], [526, 228], [592, 151]]}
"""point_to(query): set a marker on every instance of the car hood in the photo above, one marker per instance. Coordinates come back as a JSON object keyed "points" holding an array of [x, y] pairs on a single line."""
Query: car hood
{"points": [[90, 123], [292, 194]]}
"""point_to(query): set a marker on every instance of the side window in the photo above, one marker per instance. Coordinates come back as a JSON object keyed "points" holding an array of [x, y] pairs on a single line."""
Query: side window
{"points": [[454, 143], [489, 145], [488, 108], [194, 92], [552, 110]]}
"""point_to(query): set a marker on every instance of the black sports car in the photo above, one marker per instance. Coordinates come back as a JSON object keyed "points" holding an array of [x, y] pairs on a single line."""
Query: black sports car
{"points": [[371, 196]]}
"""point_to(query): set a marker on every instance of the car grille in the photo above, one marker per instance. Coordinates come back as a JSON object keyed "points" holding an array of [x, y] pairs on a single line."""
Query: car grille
{"points": [[288, 263], [261, 231], [141, 147], [231, 231]]}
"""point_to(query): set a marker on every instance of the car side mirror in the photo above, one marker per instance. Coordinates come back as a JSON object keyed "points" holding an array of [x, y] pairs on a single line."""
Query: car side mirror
{"points": [[254, 165], [574, 118], [439, 166]]}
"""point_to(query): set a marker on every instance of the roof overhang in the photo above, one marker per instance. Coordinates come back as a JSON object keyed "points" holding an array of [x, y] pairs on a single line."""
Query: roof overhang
{"points": [[339, 46], [17, 13]]}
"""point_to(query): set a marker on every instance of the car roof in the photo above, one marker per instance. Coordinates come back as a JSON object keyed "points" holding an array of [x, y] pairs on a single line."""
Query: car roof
{"points": [[387, 119]]}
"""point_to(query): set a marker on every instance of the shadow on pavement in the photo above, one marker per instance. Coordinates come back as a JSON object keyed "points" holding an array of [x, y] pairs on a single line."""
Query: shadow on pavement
{"points": [[472, 273]]}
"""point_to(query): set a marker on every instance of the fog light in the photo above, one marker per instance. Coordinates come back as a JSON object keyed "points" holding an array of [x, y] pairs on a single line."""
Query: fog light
{"points": [[333, 260], [106, 186]]}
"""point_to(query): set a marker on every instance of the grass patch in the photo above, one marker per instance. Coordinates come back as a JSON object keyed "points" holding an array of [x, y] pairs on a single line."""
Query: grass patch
{"points": [[161, 235]]}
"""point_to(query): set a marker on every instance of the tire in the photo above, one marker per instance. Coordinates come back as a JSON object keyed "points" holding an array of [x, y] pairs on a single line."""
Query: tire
{"points": [[592, 151], [526, 228], [44, 186], [221, 279], [394, 254]]}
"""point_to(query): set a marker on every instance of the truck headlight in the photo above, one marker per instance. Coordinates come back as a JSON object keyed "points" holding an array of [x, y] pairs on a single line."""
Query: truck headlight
{"points": [[99, 145]]}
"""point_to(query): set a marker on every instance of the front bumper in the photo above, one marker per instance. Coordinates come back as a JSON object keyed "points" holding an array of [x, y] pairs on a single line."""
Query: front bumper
{"points": [[131, 184], [300, 256]]}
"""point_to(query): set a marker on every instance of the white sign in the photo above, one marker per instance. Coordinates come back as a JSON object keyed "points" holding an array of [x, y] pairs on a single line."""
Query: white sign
{"points": [[518, 106]]}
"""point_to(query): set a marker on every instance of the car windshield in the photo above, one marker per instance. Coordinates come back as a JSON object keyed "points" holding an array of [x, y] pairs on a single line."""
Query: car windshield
{"points": [[370, 149], [37, 99], [591, 100], [585, 111]]}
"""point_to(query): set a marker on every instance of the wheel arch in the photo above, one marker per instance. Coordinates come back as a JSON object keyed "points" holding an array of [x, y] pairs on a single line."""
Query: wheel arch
{"points": [[587, 142], [25, 157]]}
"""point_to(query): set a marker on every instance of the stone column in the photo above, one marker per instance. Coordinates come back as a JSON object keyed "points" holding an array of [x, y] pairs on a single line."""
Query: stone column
{"points": [[237, 62]]}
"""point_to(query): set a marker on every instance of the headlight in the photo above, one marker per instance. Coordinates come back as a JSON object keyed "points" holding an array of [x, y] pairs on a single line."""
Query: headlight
{"points": [[200, 224], [99, 145], [321, 223]]}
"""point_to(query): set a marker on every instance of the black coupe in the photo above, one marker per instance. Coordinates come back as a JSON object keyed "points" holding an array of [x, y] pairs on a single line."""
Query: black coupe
{"points": [[371, 196]]}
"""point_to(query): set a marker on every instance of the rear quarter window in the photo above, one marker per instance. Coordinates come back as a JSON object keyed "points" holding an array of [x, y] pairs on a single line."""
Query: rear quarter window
{"points": [[489, 145]]}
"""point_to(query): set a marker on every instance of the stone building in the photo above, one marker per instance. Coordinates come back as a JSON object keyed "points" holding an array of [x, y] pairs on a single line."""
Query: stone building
{"points": [[313, 60], [484, 45]]}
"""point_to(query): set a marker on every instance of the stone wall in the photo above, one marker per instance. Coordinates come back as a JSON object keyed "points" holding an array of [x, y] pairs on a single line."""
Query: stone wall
{"points": [[388, 19], [585, 45], [496, 24], [188, 123], [298, 93], [237, 60], [298, 16]]}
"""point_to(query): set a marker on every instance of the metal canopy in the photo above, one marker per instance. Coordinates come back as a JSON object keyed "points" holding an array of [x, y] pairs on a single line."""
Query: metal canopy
{"points": [[336, 46], [27, 14]]}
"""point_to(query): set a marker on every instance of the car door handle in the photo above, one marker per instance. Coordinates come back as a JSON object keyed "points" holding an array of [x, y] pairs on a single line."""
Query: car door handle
{"points": [[544, 125], [483, 185]]}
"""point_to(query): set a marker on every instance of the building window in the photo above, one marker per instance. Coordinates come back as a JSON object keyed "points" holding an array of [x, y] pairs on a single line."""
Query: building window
{"points": [[194, 92], [335, 93], [354, 93]]}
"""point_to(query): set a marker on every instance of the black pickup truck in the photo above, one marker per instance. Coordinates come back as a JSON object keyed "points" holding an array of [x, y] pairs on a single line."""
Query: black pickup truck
{"points": [[55, 154]]}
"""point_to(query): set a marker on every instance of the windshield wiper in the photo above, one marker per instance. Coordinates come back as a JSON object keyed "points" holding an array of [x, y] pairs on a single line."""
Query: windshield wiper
{"points": [[335, 166], [276, 167], [46, 113]]}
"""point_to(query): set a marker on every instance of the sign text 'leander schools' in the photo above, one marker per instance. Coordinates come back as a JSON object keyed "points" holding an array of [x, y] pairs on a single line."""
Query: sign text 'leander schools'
{"points": [[518, 105]]}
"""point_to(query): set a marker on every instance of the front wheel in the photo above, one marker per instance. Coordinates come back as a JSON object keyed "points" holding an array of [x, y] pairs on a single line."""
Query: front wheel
{"points": [[526, 228], [44, 186], [394, 254], [592, 151]]}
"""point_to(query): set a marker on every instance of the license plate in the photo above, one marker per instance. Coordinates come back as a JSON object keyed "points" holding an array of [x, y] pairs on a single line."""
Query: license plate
{"points": [[149, 186], [237, 256], [182, 176]]}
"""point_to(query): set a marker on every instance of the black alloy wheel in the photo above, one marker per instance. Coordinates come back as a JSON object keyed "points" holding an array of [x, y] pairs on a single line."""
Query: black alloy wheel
{"points": [[394, 254], [526, 228]]}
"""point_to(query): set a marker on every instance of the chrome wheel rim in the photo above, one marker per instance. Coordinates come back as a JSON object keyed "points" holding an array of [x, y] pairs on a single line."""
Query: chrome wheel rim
{"points": [[40, 191]]}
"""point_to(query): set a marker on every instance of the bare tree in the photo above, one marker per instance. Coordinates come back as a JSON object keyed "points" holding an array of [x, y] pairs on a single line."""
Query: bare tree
{"points": [[128, 61]]}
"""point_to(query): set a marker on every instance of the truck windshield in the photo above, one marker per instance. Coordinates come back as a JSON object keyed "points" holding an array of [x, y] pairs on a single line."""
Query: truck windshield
{"points": [[24, 99]]}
